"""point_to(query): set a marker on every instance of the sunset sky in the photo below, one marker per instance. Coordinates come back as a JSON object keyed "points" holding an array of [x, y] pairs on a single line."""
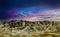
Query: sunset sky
{"points": [[29, 9]]}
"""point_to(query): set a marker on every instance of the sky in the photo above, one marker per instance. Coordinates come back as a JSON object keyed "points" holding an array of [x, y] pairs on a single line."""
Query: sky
{"points": [[19, 9]]}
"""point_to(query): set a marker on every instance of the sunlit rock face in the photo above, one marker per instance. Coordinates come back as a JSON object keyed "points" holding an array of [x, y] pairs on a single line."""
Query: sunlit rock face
{"points": [[30, 28]]}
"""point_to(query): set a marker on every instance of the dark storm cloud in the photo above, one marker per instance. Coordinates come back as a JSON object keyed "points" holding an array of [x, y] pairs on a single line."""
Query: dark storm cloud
{"points": [[6, 5], [23, 3]]}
